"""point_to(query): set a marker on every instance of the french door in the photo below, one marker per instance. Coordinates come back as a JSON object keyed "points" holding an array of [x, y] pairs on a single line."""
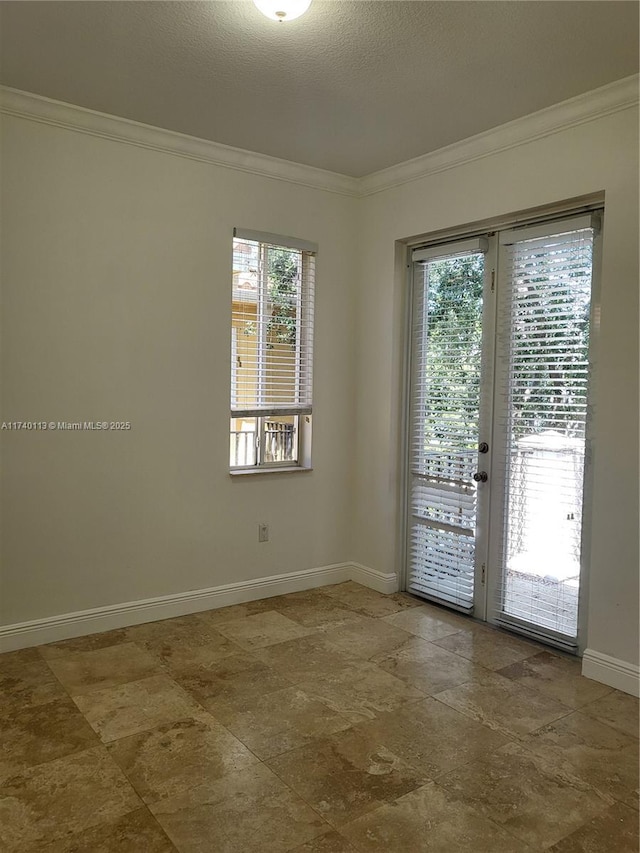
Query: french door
{"points": [[498, 425], [450, 426]]}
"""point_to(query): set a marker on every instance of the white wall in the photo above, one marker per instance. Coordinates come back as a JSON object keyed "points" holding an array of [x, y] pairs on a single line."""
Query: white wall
{"points": [[116, 270], [116, 266], [601, 155]]}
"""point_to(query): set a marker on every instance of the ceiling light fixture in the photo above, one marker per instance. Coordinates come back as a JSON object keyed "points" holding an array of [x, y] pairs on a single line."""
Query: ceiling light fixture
{"points": [[282, 10]]}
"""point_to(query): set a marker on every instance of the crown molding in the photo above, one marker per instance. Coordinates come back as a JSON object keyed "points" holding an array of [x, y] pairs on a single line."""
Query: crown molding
{"points": [[26, 105], [612, 98]]}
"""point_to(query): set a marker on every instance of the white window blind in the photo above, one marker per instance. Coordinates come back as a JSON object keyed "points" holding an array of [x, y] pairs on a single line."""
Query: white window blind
{"points": [[272, 315], [446, 375], [543, 343]]}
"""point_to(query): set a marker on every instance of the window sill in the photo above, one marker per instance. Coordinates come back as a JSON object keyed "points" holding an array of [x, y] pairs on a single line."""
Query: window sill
{"points": [[250, 472]]}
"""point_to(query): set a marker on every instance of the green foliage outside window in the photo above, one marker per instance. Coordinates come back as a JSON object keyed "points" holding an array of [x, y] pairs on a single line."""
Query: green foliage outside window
{"points": [[556, 354], [282, 289], [454, 339], [282, 283]]}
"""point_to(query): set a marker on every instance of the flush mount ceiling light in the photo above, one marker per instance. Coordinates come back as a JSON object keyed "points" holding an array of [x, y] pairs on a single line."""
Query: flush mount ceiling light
{"points": [[282, 10]]}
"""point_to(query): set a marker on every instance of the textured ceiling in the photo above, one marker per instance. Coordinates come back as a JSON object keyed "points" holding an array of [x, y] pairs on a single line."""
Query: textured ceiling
{"points": [[350, 86]]}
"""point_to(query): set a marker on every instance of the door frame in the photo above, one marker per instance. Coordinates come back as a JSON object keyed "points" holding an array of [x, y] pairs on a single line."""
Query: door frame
{"points": [[404, 248], [485, 428]]}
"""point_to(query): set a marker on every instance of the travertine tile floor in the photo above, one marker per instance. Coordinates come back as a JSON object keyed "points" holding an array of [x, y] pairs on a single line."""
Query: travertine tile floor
{"points": [[327, 721]]}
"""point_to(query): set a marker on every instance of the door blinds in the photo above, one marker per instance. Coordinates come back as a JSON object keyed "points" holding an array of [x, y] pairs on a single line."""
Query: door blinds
{"points": [[446, 374], [543, 344], [272, 315]]}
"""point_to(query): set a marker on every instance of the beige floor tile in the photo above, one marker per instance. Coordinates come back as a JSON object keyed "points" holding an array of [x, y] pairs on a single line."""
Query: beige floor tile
{"points": [[12, 660], [603, 757], [407, 599], [431, 736], [360, 692], [39, 733], [117, 712], [232, 680], [263, 629], [235, 611], [430, 623], [367, 601], [346, 775], [616, 829], [428, 667], [27, 681], [313, 609], [526, 795], [367, 637], [180, 657], [64, 796], [250, 811], [315, 655], [85, 671], [411, 728], [618, 710], [558, 677], [280, 721], [136, 831], [83, 644], [503, 705], [488, 647], [429, 820], [168, 760], [153, 635], [332, 842], [183, 643]]}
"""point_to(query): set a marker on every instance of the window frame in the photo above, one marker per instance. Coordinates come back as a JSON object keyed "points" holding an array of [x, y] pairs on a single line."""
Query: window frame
{"points": [[261, 414]]}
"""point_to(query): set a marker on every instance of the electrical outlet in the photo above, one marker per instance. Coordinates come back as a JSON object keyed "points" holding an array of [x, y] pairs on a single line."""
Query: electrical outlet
{"points": [[263, 533]]}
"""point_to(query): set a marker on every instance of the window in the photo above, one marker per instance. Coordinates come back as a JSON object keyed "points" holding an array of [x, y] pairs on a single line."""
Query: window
{"points": [[272, 349]]}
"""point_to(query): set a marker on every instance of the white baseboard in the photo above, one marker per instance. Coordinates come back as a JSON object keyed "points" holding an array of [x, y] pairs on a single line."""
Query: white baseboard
{"points": [[612, 671], [385, 583], [56, 628]]}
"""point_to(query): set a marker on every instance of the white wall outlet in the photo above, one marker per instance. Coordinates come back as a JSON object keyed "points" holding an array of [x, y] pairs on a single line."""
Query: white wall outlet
{"points": [[263, 533]]}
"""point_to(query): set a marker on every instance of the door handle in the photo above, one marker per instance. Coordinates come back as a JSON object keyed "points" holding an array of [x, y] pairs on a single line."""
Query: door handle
{"points": [[483, 447], [481, 476]]}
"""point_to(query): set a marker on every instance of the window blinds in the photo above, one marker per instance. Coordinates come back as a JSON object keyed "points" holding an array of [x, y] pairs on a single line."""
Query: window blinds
{"points": [[272, 319], [543, 343], [446, 373]]}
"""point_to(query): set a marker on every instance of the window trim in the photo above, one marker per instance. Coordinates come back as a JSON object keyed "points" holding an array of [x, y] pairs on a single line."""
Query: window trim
{"points": [[303, 359], [276, 240]]}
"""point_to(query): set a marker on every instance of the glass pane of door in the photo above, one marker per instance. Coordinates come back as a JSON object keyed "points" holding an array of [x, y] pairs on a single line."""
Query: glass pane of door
{"points": [[545, 295], [445, 398]]}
